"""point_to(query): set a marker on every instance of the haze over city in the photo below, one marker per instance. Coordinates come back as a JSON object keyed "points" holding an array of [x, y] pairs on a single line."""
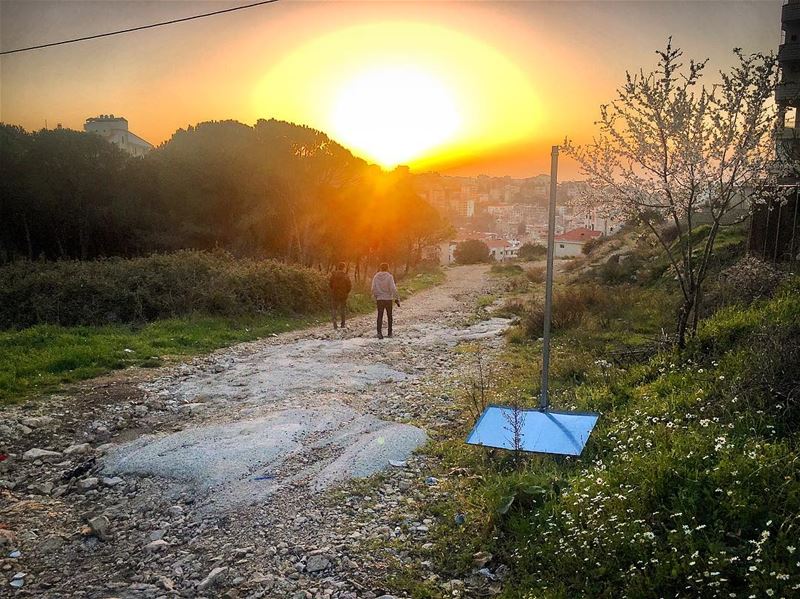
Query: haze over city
{"points": [[462, 88]]}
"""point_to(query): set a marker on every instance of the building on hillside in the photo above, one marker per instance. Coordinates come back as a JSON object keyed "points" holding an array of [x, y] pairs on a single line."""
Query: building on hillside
{"points": [[607, 225], [501, 250], [115, 130], [775, 224], [570, 243], [447, 252]]}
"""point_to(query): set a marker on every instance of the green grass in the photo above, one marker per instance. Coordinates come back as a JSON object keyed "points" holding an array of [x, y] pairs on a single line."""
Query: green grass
{"points": [[42, 358], [690, 484]]}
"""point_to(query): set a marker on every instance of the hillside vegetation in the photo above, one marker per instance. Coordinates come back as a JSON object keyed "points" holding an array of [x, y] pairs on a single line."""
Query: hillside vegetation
{"points": [[68, 321], [159, 286], [690, 483], [273, 190]]}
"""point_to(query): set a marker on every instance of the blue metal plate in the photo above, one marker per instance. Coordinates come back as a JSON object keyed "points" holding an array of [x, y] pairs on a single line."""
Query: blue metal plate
{"points": [[563, 433]]}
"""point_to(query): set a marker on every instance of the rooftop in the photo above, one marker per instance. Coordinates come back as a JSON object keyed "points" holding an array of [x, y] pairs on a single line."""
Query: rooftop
{"points": [[579, 234]]}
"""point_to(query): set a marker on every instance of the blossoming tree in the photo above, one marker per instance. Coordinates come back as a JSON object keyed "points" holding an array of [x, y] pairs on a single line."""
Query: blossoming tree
{"points": [[671, 150]]}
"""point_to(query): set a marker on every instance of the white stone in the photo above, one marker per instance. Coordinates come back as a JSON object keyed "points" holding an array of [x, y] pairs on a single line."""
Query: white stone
{"points": [[40, 454], [78, 449]]}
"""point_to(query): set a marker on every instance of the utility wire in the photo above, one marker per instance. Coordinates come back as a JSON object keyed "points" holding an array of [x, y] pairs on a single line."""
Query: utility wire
{"points": [[151, 26]]}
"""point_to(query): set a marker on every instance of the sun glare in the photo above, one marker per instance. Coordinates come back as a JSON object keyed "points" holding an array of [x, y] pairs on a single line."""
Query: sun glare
{"points": [[394, 114], [403, 93]]}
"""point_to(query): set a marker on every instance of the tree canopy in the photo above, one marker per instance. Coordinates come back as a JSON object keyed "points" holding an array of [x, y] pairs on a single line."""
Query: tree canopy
{"points": [[471, 251], [271, 190]]}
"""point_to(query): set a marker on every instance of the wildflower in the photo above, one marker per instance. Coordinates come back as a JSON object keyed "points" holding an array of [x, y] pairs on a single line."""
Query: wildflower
{"points": [[790, 549]]}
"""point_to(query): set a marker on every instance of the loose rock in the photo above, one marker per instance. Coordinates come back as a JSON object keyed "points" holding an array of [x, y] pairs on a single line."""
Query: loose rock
{"points": [[40, 454], [212, 578]]}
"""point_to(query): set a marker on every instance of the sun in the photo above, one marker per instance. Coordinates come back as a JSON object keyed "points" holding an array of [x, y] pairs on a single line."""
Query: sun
{"points": [[398, 92], [395, 113]]}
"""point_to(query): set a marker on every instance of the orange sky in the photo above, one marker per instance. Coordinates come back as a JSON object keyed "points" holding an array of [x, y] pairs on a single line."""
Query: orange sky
{"points": [[465, 88]]}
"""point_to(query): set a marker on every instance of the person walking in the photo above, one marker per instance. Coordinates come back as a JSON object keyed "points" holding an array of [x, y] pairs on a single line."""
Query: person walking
{"points": [[340, 287], [384, 291]]}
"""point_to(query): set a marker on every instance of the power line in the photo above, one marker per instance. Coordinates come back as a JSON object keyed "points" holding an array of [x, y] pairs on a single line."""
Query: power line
{"points": [[151, 26]]}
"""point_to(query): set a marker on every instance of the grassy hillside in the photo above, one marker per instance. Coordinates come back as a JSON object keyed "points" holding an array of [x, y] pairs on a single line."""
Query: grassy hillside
{"points": [[690, 484]]}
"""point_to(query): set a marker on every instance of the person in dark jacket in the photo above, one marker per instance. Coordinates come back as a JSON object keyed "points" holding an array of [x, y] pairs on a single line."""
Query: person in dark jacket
{"points": [[340, 288]]}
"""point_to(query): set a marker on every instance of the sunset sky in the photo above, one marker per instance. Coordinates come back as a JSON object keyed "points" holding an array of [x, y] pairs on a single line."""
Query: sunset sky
{"points": [[463, 88]]}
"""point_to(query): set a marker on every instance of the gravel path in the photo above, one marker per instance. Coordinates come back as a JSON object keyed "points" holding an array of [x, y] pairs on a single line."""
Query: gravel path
{"points": [[228, 476]]}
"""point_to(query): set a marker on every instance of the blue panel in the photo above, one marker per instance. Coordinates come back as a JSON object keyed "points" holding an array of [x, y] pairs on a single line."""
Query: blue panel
{"points": [[563, 433]]}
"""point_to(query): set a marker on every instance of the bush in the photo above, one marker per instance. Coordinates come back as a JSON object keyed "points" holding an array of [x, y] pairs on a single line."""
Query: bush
{"points": [[506, 269], [590, 245], [572, 264], [472, 251], [619, 269], [535, 274], [747, 280], [158, 286], [571, 305], [532, 251]]}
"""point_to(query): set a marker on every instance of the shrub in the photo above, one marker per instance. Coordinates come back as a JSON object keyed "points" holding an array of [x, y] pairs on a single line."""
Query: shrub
{"points": [[506, 269], [571, 305], [619, 269], [514, 306], [471, 251], [572, 264], [535, 274], [590, 245], [747, 280], [158, 286], [532, 251]]}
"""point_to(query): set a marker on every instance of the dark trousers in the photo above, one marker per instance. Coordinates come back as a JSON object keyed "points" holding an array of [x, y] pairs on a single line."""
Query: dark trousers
{"points": [[338, 309], [387, 306]]}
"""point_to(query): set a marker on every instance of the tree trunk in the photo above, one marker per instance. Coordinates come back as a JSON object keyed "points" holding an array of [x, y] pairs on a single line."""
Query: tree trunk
{"points": [[684, 314], [28, 237]]}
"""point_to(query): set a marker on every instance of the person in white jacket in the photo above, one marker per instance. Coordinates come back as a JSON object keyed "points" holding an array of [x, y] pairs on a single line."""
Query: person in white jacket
{"points": [[384, 291]]}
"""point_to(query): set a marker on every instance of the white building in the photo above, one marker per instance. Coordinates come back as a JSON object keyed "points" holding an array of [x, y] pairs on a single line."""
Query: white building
{"points": [[115, 130], [570, 244], [446, 252], [501, 250]]}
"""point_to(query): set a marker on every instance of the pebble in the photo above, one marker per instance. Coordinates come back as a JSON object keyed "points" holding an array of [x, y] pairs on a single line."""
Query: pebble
{"points": [[317, 563], [99, 526], [157, 535], [212, 578], [78, 449], [158, 545], [87, 484], [37, 421], [40, 454]]}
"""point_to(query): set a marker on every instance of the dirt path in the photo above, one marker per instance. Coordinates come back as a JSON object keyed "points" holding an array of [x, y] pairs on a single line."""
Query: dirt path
{"points": [[228, 476]]}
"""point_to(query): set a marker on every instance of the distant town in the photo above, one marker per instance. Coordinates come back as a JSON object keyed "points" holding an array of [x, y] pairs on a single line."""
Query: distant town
{"points": [[506, 213]]}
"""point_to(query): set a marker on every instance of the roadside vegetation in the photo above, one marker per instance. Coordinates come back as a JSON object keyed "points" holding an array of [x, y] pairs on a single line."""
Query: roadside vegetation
{"points": [[690, 484], [62, 322]]}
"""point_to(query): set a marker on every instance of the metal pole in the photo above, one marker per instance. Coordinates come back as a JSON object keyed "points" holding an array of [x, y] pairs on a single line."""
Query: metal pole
{"points": [[544, 400]]}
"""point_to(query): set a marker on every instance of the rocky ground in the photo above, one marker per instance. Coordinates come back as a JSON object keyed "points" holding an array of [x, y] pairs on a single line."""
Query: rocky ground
{"points": [[240, 474]]}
